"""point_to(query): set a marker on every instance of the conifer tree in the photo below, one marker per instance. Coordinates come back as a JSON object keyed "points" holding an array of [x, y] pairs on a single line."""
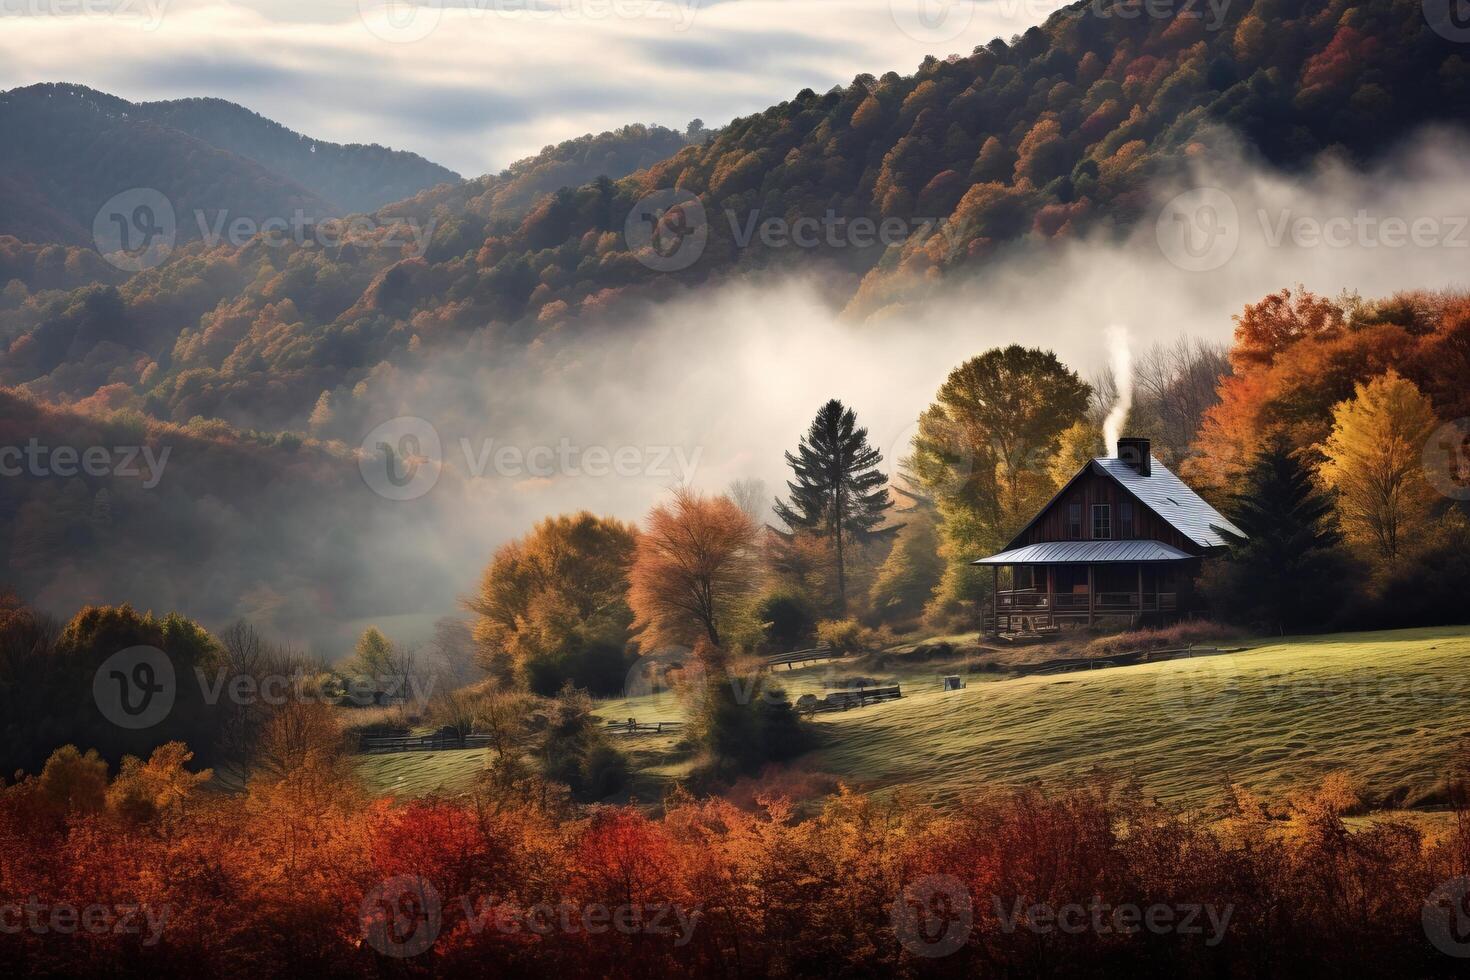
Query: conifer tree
{"points": [[838, 491], [1286, 570]]}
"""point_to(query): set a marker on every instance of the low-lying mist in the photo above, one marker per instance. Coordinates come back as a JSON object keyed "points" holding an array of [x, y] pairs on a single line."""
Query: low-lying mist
{"points": [[716, 384]]}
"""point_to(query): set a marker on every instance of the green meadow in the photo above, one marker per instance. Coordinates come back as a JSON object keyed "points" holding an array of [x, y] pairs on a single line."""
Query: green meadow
{"points": [[1391, 707]]}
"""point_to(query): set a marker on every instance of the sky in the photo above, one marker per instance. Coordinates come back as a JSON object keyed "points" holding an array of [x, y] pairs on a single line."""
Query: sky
{"points": [[477, 84]]}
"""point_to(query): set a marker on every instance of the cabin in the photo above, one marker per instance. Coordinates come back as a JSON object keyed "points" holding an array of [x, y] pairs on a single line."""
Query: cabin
{"points": [[1124, 539]]}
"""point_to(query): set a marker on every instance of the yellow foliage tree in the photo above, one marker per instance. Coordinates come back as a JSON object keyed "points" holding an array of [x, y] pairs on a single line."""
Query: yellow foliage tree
{"points": [[1374, 462], [1079, 443]]}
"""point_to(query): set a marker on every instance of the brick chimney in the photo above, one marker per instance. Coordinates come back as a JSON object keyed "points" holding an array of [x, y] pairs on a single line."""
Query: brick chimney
{"points": [[1134, 451]]}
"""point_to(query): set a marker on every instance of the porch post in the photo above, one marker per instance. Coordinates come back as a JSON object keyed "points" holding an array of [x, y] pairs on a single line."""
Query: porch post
{"points": [[1091, 597], [1140, 588], [995, 595], [1051, 597]]}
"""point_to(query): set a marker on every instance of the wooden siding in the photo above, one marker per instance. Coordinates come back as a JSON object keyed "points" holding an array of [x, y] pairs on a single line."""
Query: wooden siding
{"points": [[1094, 488]]}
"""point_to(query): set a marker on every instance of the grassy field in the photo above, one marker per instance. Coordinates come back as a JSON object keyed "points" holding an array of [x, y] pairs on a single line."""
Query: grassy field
{"points": [[1388, 706]]}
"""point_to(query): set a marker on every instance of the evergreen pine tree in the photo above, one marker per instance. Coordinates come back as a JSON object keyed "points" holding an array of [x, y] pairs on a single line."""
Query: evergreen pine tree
{"points": [[1286, 571], [838, 491]]}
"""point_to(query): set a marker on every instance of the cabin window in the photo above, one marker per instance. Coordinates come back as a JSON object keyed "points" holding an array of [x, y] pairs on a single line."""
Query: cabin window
{"points": [[1125, 519], [1102, 521], [1074, 520]]}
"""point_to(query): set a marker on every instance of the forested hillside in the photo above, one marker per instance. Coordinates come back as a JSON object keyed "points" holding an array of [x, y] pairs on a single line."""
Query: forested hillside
{"points": [[225, 523], [355, 177], [72, 149], [1054, 134]]}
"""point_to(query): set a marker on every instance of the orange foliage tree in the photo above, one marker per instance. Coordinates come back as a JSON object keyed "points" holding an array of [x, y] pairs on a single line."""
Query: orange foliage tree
{"points": [[695, 561]]}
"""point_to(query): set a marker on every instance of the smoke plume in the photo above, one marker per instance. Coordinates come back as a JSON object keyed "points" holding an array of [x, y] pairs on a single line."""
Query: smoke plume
{"points": [[1120, 359]]}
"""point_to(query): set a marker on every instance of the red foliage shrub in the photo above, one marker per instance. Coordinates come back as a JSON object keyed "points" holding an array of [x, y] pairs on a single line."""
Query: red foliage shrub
{"points": [[1087, 879]]}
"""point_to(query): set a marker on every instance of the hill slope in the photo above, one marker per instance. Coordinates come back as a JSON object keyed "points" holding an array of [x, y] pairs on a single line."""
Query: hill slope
{"points": [[1064, 131], [68, 149], [1386, 707], [356, 178]]}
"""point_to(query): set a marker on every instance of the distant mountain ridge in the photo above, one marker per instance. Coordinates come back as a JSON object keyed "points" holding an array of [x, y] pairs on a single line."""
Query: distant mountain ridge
{"points": [[359, 177], [66, 149]]}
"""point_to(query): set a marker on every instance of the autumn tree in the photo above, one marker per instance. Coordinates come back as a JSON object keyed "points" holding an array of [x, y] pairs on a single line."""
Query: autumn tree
{"points": [[1374, 463], [552, 606], [64, 684], [909, 574], [983, 453], [1078, 444], [374, 655], [694, 563], [1269, 327], [838, 491]]}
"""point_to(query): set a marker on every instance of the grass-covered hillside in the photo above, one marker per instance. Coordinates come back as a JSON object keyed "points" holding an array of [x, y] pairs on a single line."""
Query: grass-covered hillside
{"points": [[1389, 707]]}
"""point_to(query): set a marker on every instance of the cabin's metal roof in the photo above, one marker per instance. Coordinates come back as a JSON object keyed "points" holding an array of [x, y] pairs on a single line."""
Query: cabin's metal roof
{"points": [[1086, 553], [1172, 499]]}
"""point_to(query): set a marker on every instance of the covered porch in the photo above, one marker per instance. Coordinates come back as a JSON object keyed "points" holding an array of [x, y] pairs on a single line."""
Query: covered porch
{"points": [[1039, 587]]}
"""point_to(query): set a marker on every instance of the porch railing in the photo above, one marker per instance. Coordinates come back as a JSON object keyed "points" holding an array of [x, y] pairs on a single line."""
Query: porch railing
{"points": [[1021, 601]]}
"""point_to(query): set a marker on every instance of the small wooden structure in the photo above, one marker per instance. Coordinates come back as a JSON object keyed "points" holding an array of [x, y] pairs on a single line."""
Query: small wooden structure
{"points": [[953, 683], [1124, 538]]}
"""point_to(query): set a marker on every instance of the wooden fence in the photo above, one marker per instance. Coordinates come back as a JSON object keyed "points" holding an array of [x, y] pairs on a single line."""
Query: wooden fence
{"points": [[438, 742], [790, 660], [632, 727], [1070, 664], [845, 700]]}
